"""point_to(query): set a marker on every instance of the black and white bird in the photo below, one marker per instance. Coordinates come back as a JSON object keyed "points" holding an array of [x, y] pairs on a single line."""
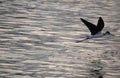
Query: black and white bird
{"points": [[96, 30]]}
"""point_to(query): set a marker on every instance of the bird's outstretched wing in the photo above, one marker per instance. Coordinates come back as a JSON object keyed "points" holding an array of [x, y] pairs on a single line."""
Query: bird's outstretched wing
{"points": [[100, 24], [91, 27]]}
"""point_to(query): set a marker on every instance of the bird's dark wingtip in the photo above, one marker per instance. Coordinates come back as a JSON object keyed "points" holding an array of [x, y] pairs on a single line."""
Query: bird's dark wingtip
{"points": [[81, 19], [100, 17]]}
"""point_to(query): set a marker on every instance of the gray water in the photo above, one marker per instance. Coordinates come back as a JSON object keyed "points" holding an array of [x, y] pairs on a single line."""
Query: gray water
{"points": [[38, 39]]}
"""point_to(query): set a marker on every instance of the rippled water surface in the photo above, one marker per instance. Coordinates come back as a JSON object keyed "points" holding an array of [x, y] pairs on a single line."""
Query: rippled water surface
{"points": [[37, 39]]}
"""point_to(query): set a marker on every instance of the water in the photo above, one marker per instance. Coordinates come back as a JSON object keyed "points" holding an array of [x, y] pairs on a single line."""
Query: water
{"points": [[37, 39]]}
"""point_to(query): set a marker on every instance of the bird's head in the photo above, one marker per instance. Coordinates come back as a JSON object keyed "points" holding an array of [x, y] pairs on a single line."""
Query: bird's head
{"points": [[107, 33]]}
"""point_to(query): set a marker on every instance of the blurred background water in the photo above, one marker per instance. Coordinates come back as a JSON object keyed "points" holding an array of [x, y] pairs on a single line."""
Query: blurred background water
{"points": [[37, 39]]}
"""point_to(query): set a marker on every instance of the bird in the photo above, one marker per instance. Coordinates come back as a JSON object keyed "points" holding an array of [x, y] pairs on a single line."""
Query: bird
{"points": [[96, 30]]}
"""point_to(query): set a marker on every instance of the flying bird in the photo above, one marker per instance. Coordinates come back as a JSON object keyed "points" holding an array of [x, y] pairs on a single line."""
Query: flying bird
{"points": [[96, 30]]}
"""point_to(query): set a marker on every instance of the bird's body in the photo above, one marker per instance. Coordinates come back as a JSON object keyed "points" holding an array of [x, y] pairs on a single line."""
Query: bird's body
{"points": [[94, 36]]}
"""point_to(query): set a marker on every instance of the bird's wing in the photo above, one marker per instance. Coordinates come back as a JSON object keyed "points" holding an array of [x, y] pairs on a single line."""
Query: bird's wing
{"points": [[91, 27], [100, 24]]}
